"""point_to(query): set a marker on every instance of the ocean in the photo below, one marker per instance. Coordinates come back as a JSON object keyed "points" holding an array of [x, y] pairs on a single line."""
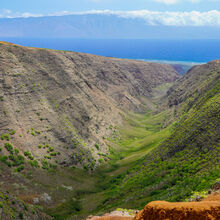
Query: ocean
{"points": [[188, 52]]}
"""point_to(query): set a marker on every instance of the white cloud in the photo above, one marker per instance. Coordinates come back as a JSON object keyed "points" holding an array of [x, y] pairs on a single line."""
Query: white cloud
{"points": [[193, 18], [5, 13]]}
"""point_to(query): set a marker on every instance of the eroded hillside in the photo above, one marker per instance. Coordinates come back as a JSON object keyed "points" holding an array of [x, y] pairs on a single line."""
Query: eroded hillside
{"points": [[62, 105], [65, 108]]}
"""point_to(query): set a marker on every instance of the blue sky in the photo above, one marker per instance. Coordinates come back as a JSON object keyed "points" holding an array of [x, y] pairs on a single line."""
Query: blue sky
{"points": [[51, 6], [165, 12]]}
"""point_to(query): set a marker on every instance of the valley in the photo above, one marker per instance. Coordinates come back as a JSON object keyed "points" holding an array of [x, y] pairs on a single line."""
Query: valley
{"points": [[84, 134]]}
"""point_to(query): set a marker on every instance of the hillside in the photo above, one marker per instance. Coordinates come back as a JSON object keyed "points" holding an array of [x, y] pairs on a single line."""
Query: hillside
{"points": [[13, 208], [188, 159], [62, 105], [84, 134]]}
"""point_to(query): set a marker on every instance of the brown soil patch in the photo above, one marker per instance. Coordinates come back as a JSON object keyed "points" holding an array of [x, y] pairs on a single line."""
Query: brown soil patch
{"points": [[213, 197], [208, 209], [28, 198], [112, 218]]}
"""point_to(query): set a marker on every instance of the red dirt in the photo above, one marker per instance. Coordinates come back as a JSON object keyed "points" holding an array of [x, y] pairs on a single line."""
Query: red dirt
{"points": [[208, 209], [112, 218]]}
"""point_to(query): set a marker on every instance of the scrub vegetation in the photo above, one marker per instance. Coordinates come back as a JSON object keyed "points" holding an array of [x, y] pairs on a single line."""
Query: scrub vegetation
{"points": [[122, 134]]}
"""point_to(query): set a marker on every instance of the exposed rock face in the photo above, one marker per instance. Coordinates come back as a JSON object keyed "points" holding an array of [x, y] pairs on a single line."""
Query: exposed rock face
{"points": [[71, 101]]}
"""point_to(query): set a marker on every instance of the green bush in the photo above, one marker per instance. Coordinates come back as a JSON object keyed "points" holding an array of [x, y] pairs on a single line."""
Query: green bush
{"points": [[29, 155], [12, 132], [97, 146], [9, 148], [101, 160], [34, 163], [20, 168], [5, 137], [16, 151]]}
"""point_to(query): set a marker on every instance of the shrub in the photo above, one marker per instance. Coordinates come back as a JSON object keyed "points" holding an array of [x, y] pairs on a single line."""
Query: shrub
{"points": [[97, 146], [5, 137], [12, 132], [20, 168], [51, 149], [16, 151], [29, 155], [34, 163], [101, 160], [45, 164], [21, 216], [9, 148]]}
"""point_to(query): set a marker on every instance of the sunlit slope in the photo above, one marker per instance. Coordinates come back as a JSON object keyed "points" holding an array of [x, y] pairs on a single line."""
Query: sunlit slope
{"points": [[188, 160]]}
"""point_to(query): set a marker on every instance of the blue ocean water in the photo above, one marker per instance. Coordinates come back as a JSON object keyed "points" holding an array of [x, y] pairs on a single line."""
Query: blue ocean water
{"points": [[185, 51]]}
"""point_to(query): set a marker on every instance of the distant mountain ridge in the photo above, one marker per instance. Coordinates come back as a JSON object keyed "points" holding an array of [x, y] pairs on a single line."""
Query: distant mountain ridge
{"points": [[99, 26]]}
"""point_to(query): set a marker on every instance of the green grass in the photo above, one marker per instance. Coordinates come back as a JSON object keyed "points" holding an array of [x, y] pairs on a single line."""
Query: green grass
{"points": [[152, 162], [148, 161], [187, 161], [139, 135]]}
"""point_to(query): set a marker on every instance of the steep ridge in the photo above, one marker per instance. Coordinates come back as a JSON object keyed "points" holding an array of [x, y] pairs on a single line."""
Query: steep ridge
{"points": [[188, 160], [197, 81], [62, 106]]}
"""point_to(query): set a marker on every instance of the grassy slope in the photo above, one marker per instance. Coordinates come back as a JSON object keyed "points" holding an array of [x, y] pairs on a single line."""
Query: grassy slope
{"points": [[185, 162], [135, 139], [139, 135], [149, 161], [13, 208]]}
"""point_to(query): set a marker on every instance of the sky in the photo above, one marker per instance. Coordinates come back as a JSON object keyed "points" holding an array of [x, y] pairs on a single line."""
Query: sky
{"points": [[167, 12], [51, 6]]}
